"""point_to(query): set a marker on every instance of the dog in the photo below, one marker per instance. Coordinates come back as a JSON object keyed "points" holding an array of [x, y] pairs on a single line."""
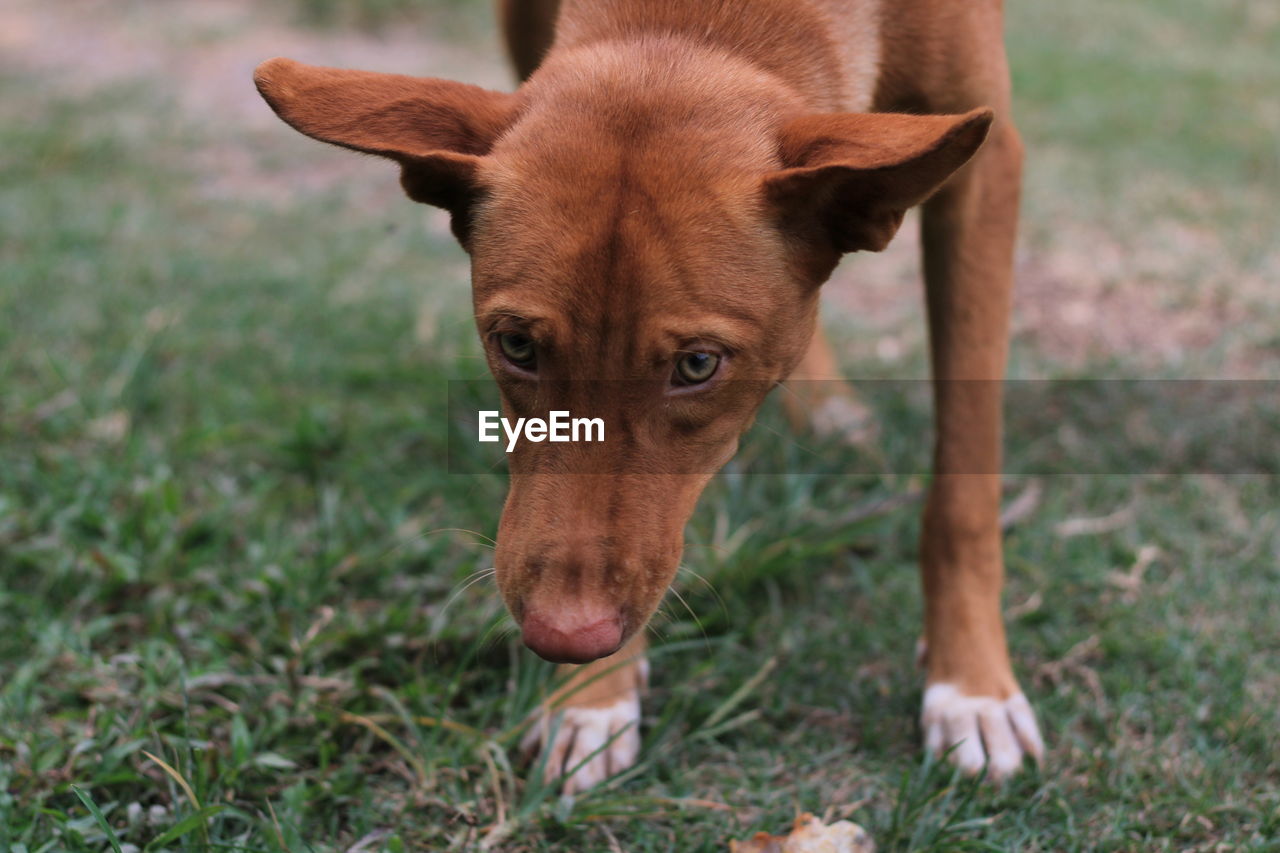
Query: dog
{"points": [[659, 202]]}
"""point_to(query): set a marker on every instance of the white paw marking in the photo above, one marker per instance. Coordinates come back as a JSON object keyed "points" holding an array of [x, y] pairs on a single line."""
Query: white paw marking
{"points": [[983, 730], [582, 731]]}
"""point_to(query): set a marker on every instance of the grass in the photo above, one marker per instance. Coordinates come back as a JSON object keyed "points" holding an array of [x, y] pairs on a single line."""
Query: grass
{"points": [[228, 534]]}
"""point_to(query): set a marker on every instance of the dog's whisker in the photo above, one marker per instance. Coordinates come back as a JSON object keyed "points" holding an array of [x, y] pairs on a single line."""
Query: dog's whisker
{"points": [[661, 613], [497, 637], [498, 632], [463, 585], [672, 589], [488, 540], [478, 575], [475, 578], [696, 620], [683, 568], [708, 584], [487, 543]]}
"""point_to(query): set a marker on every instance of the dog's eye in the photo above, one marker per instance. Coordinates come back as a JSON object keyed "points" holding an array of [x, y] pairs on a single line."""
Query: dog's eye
{"points": [[518, 349], [694, 368]]}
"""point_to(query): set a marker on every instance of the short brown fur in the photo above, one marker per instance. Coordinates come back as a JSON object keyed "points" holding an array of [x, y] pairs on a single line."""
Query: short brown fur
{"points": [[678, 175]]}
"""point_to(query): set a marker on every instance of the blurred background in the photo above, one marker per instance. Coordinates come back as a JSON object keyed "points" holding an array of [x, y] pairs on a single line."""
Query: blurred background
{"points": [[236, 598]]}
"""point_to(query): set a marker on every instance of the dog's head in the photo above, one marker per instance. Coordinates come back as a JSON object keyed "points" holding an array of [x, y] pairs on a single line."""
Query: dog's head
{"points": [[646, 247]]}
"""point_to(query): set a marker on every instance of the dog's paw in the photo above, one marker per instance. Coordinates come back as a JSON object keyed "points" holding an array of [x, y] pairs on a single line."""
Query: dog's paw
{"points": [[611, 732], [985, 731]]}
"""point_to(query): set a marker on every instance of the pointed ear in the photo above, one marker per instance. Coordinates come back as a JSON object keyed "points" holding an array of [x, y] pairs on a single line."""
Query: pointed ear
{"points": [[437, 130], [850, 177]]}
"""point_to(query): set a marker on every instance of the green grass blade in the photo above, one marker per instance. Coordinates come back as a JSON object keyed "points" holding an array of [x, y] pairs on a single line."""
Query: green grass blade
{"points": [[192, 821], [98, 816]]}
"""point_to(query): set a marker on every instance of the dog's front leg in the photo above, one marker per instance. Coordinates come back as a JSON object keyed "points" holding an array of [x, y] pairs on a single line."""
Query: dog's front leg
{"points": [[972, 701], [596, 710]]}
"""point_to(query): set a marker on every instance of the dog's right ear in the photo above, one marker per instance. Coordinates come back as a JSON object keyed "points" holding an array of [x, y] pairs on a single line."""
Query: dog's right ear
{"points": [[437, 130], [849, 178]]}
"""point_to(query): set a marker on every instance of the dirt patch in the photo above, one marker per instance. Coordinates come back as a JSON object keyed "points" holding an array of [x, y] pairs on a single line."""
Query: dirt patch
{"points": [[1173, 296], [199, 55], [204, 51]]}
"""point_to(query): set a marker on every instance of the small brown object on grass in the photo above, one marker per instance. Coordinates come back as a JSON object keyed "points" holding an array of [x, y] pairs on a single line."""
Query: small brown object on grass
{"points": [[809, 835]]}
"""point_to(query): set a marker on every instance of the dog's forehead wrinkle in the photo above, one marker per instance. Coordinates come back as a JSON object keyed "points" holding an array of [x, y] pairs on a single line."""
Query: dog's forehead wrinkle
{"points": [[631, 269]]}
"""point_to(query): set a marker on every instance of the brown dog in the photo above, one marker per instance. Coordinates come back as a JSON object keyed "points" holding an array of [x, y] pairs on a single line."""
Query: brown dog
{"points": [[658, 203]]}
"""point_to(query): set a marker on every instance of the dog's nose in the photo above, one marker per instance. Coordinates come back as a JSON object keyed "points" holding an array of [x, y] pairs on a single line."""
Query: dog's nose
{"points": [[566, 637]]}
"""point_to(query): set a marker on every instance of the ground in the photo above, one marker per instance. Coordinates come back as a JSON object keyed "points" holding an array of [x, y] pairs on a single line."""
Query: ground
{"points": [[235, 548]]}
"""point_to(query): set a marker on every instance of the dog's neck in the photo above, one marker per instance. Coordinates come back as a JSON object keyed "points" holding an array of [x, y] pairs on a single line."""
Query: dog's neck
{"points": [[824, 53]]}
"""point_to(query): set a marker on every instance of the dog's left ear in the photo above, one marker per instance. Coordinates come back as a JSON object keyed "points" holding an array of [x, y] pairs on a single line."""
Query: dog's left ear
{"points": [[437, 130], [850, 177]]}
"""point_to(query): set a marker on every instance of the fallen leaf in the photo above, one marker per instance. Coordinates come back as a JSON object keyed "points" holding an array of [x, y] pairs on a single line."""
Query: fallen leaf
{"points": [[809, 835]]}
